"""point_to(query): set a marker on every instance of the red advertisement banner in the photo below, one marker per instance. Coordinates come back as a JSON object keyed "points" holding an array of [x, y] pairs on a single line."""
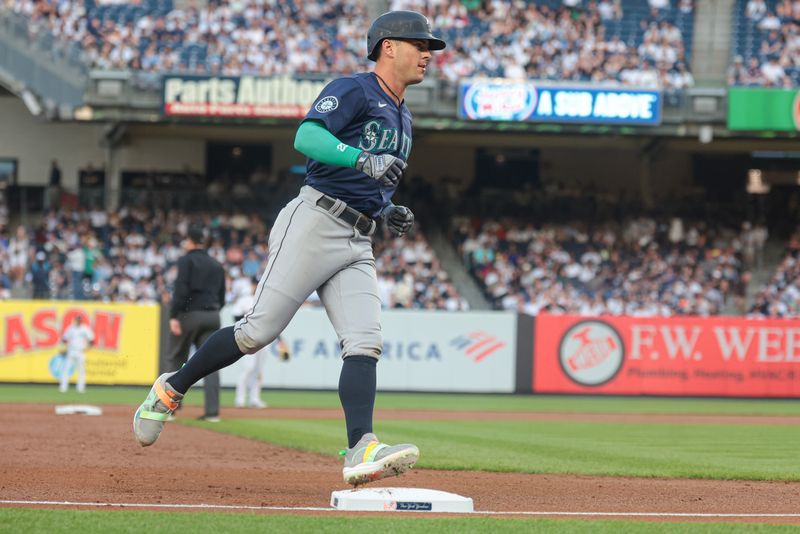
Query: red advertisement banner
{"points": [[691, 356], [203, 109], [238, 96]]}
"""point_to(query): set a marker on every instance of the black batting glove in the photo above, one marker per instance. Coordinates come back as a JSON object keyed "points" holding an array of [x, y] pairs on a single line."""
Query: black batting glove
{"points": [[385, 168], [399, 219]]}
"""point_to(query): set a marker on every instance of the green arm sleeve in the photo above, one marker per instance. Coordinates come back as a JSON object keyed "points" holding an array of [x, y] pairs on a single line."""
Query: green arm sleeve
{"points": [[317, 143]]}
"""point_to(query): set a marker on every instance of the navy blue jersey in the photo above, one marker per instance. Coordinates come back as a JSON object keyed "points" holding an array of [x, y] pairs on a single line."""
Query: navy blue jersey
{"points": [[357, 111]]}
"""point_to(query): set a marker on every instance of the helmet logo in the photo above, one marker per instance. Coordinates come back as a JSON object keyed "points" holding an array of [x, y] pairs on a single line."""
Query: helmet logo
{"points": [[327, 104]]}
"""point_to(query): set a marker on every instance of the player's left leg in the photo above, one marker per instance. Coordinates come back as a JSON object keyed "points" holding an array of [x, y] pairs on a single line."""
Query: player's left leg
{"points": [[351, 300]]}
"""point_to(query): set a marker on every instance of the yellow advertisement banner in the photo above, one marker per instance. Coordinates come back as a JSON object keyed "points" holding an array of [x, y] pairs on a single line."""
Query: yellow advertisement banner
{"points": [[125, 348]]}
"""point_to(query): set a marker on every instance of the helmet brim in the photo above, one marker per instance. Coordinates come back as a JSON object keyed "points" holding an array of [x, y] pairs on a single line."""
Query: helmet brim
{"points": [[433, 42]]}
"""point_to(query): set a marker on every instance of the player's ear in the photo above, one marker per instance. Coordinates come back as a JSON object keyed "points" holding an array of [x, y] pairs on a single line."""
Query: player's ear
{"points": [[388, 47]]}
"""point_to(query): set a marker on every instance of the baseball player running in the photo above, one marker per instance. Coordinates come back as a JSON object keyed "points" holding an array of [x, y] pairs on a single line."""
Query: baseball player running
{"points": [[357, 137], [77, 337]]}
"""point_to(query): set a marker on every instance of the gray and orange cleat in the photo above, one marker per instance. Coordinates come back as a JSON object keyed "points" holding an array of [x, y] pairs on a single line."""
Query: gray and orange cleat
{"points": [[371, 460], [149, 419]]}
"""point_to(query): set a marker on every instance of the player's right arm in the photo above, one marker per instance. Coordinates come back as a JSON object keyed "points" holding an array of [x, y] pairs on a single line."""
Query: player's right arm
{"points": [[316, 142]]}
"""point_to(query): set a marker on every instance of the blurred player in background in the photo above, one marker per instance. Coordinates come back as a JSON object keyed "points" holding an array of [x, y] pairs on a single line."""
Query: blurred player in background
{"points": [[251, 379], [250, 383], [77, 337]]}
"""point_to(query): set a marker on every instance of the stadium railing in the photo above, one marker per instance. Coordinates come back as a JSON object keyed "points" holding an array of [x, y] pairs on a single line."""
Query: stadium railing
{"points": [[33, 62]]}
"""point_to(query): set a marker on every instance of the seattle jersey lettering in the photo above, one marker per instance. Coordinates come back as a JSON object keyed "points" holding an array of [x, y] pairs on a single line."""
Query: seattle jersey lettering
{"points": [[375, 138]]}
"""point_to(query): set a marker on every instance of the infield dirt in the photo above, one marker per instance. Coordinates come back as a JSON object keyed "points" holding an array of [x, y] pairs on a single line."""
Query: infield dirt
{"points": [[95, 459]]}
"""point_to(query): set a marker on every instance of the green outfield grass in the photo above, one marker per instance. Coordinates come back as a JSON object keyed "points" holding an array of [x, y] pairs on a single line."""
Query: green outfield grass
{"points": [[719, 451], [765, 452], [516, 403], [90, 522]]}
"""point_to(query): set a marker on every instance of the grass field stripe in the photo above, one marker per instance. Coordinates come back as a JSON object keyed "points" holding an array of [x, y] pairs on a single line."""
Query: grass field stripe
{"points": [[161, 505], [634, 514], [328, 509]]}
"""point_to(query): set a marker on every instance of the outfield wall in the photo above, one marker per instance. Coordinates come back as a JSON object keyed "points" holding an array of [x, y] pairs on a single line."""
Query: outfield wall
{"points": [[470, 352], [677, 356], [125, 350], [423, 351]]}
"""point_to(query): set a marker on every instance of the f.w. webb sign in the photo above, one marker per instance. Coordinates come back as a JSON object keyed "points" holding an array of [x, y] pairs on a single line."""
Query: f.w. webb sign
{"points": [[720, 356], [238, 96]]}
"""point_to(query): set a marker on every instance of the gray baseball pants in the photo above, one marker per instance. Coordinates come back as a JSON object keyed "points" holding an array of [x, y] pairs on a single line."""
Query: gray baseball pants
{"points": [[312, 249]]}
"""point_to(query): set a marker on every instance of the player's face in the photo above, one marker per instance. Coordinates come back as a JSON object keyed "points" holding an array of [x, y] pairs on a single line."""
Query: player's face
{"points": [[411, 60]]}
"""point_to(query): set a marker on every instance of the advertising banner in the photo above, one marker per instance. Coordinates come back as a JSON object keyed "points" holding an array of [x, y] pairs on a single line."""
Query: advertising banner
{"points": [[238, 96], [423, 351], [690, 356], [125, 349], [751, 108], [507, 100]]}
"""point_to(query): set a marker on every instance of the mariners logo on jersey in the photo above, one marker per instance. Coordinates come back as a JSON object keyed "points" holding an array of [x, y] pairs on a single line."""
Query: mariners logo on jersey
{"points": [[358, 111], [327, 104]]}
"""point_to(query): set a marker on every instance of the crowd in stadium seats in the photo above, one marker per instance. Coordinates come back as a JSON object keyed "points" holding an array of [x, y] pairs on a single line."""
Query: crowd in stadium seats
{"points": [[587, 41], [621, 41], [223, 37], [411, 277], [130, 256], [642, 268], [781, 296], [766, 43]]}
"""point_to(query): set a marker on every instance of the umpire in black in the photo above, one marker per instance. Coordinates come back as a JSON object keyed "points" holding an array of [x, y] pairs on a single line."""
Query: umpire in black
{"points": [[194, 314]]}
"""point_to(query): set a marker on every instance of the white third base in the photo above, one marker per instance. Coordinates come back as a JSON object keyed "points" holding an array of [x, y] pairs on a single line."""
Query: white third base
{"points": [[73, 409], [400, 500]]}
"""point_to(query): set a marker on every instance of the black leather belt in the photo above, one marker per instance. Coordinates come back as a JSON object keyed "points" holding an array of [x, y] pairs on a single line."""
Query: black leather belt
{"points": [[361, 222]]}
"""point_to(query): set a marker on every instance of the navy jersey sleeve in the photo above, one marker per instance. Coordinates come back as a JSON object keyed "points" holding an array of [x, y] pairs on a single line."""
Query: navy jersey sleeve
{"points": [[340, 103]]}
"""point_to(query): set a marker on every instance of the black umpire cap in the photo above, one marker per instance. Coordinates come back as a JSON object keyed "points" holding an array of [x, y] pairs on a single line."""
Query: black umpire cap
{"points": [[400, 25]]}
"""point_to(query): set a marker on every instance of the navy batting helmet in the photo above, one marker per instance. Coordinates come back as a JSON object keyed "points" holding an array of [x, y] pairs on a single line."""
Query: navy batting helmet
{"points": [[400, 25]]}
